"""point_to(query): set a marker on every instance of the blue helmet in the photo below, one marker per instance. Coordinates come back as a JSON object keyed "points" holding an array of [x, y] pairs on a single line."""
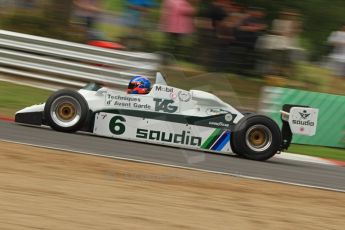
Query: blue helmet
{"points": [[139, 85]]}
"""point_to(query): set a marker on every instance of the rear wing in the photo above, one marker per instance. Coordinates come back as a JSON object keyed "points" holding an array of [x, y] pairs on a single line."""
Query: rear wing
{"points": [[297, 119]]}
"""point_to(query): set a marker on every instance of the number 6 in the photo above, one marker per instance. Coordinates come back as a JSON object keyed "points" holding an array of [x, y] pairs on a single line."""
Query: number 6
{"points": [[115, 127]]}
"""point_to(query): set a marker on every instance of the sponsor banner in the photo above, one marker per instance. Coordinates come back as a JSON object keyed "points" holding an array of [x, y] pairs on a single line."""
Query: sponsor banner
{"points": [[168, 92], [303, 121], [214, 111], [164, 92], [129, 101], [219, 124], [141, 102], [164, 88], [162, 132]]}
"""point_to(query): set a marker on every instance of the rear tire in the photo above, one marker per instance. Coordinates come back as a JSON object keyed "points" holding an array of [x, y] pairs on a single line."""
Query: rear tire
{"points": [[256, 137], [66, 111]]}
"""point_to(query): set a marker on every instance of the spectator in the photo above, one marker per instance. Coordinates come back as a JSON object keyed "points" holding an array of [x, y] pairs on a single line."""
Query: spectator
{"points": [[288, 26], [136, 20], [234, 19], [209, 25], [282, 44], [225, 36], [88, 12], [217, 12], [228, 36], [136, 12], [177, 21], [251, 28], [337, 40]]}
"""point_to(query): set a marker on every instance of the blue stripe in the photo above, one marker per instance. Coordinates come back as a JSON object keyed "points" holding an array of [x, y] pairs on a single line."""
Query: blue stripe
{"points": [[217, 141], [225, 141], [221, 142]]}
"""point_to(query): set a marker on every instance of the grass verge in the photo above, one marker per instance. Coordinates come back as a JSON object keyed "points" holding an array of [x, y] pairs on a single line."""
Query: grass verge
{"points": [[318, 151], [15, 97]]}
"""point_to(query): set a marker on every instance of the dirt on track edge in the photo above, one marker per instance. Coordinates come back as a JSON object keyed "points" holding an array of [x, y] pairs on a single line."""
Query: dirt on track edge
{"points": [[49, 189]]}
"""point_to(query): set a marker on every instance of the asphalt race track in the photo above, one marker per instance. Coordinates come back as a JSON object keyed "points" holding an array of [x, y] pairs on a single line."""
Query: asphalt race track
{"points": [[287, 171]]}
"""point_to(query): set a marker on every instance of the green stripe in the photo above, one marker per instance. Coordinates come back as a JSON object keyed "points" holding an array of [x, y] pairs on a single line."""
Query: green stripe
{"points": [[211, 139]]}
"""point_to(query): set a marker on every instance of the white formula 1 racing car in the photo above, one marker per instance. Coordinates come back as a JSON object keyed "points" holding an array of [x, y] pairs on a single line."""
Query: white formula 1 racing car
{"points": [[171, 116]]}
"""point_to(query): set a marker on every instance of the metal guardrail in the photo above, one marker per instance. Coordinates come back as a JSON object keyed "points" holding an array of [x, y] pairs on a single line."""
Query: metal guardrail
{"points": [[68, 63]]}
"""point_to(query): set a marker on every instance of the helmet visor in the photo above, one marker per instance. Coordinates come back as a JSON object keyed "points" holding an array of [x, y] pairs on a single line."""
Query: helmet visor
{"points": [[132, 85]]}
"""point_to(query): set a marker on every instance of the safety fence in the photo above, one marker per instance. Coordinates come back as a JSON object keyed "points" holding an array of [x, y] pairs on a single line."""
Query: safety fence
{"points": [[68, 63], [331, 121]]}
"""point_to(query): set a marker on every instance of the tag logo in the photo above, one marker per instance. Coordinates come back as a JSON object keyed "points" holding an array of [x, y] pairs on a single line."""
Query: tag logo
{"points": [[165, 105]]}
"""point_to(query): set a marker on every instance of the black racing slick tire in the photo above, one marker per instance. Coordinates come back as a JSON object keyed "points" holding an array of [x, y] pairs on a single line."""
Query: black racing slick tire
{"points": [[66, 111], [256, 137]]}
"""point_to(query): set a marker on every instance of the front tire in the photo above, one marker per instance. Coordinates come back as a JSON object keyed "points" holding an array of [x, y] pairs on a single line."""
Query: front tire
{"points": [[256, 137], [66, 111]]}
